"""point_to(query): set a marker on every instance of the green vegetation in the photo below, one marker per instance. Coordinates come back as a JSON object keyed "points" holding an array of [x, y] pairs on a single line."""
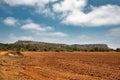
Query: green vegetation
{"points": [[118, 49], [36, 47]]}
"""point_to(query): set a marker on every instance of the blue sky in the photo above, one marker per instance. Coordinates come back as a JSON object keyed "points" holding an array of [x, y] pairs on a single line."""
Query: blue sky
{"points": [[61, 21]]}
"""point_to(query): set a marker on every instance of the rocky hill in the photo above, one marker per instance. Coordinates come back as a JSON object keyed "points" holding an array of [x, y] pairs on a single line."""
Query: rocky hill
{"points": [[44, 46], [62, 45], [19, 42], [91, 46]]}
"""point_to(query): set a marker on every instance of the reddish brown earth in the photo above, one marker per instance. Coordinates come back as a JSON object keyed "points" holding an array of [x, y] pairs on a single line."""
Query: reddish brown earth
{"points": [[61, 66]]}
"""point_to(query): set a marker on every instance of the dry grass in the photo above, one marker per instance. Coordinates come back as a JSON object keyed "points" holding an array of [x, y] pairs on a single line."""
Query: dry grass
{"points": [[61, 66]]}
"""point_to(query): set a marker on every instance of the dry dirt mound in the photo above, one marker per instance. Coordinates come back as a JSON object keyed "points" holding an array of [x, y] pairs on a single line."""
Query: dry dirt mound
{"points": [[14, 54]]}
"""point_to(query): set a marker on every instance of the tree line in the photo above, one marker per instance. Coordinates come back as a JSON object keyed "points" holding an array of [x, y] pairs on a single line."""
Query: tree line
{"points": [[29, 47]]}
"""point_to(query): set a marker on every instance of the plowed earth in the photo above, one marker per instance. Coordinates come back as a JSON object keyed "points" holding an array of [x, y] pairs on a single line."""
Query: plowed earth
{"points": [[61, 66]]}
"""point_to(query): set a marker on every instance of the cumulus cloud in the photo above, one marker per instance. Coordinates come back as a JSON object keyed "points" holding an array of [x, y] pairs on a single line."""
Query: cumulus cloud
{"points": [[99, 16], [52, 34], [59, 34], [34, 3], [40, 30], [27, 2], [20, 2], [10, 21], [35, 26], [39, 5], [69, 5], [15, 38], [73, 13]]}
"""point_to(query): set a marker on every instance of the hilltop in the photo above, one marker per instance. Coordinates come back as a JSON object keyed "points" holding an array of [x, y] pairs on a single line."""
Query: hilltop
{"points": [[20, 42], [57, 47], [44, 46]]}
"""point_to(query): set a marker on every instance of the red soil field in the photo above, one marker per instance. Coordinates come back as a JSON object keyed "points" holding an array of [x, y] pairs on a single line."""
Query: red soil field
{"points": [[61, 66]]}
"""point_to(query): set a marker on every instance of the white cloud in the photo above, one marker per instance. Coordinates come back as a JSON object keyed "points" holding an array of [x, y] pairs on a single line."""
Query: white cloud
{"points": [[84, 37], [10, 21], [20, 2], [65, 7], [115, 32], [39, 5], [59, 34], [69, 5], [71, 12], [52, 34], [99, 16], [40, 30], [35, 27], [13, 37], [35, 3]]}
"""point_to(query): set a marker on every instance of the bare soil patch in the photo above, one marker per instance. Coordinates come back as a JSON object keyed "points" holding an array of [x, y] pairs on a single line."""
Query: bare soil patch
{"points": [[61, 66]]}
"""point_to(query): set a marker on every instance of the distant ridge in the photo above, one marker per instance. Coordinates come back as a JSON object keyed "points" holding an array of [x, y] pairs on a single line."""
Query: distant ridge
{"points": [[57, 47], [91, 46], [27, 42], [21, 42]]}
